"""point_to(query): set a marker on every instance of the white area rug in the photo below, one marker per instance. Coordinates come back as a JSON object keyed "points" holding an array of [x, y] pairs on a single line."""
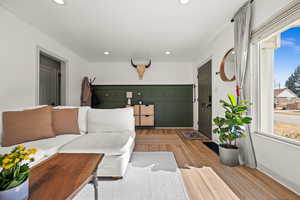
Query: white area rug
{"points": [[150, 176]]}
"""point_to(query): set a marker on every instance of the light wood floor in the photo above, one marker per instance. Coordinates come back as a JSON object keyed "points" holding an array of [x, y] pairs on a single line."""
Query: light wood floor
{"points": [[246, 183]]}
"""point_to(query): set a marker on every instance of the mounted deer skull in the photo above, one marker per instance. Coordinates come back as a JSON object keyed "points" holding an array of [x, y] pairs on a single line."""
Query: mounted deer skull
{"points": [[141, 68]]}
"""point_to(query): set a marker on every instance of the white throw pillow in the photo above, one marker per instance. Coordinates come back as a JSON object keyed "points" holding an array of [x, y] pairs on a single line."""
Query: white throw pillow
{"points": [[110, 120], [82, 116]]}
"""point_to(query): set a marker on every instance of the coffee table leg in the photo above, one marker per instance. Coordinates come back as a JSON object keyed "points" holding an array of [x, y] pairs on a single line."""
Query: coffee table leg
{"points": [[95, 183]]}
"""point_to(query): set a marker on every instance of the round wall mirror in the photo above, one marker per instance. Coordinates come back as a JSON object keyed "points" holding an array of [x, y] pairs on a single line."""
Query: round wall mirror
{"points": [[227, 66]]}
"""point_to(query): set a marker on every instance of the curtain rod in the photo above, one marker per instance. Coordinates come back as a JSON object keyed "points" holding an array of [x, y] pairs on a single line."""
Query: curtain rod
{"points": [[232, 20]]}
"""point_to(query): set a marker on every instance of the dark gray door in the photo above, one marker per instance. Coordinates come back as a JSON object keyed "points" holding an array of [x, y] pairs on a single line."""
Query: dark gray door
{"points": [[204, 99], [50, 81]]}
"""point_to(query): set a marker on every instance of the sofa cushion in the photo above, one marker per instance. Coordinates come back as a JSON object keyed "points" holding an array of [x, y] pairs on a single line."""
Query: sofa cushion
{"points": [[48, 146], [51, 145], [82, 116], [109, 143], [45, 147], [28, 125], [15, 109], [65, 121], [110, 120]]}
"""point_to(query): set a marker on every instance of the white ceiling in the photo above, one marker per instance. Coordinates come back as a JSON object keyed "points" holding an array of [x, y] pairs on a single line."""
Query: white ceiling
{"points": [[128, 28]]}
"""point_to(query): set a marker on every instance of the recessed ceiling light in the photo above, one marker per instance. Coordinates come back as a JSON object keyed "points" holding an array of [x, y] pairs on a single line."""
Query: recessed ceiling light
{"points": [[168, 52], [106, 53], [184, 1], [60, 2]]}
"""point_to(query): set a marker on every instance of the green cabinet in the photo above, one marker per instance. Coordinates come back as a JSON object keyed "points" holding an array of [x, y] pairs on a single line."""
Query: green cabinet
{"points": [[173, 103]]}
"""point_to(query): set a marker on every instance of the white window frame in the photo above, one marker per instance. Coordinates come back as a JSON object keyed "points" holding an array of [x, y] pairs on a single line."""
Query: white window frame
{"points": [[280, 21]]}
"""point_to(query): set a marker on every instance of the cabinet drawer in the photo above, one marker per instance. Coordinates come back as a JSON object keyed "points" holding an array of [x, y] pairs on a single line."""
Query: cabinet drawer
{"points": [[137, 120], [147, 120], [147, 109], [136, 109]]}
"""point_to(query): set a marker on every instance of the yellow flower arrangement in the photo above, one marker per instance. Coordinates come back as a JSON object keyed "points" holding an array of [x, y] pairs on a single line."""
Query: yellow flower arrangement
{"points": [[15, 169]]}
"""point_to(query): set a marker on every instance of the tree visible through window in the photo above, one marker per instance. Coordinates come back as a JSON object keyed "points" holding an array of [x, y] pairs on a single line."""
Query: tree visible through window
{"points": [[293, 82]]}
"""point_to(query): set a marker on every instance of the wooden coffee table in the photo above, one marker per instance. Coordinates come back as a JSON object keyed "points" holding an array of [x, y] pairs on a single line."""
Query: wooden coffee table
{"points": [[62, 176]]}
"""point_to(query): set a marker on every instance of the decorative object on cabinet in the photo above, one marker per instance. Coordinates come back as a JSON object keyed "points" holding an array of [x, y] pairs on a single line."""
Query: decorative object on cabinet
{"points": [[129, 96]]}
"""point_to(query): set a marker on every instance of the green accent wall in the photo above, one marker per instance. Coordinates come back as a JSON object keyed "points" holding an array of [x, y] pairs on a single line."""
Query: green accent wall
{"points": [[173, 103]]}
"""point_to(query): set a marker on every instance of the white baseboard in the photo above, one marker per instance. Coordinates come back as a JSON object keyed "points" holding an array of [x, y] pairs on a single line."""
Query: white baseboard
{"points": [[283, 181]]}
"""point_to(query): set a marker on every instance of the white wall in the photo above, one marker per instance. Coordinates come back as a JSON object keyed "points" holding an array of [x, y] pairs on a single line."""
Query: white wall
{"points": [[220, 89], [276, 158], [123, 73], [18, 46], [279, 160]]}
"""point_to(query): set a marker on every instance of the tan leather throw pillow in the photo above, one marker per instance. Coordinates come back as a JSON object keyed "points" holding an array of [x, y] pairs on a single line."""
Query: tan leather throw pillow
{"points": [[27, 125], [65, 121]]}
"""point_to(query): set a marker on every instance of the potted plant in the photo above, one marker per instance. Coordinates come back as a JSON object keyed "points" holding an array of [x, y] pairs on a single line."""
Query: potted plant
{"points": [[230, 128], [14, 173]]}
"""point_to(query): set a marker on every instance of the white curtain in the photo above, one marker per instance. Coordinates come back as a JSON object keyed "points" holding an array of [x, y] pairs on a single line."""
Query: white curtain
{"points": [[242, 31]]}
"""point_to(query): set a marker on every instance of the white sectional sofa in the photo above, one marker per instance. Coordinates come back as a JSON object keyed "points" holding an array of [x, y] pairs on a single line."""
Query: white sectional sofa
{"points": [[108, 131]]}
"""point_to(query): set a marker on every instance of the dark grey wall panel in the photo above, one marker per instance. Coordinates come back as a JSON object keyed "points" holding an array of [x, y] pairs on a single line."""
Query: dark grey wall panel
{"points": [[173, 103]]}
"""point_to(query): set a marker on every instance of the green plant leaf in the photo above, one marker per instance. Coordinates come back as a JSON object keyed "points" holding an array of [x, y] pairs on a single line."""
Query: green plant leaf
{"points": [[13, 183], [247, 120], [225, 103], [216, 130], [24, 168], [219, 121], [16, 171], [231, 127], [232, 99]]}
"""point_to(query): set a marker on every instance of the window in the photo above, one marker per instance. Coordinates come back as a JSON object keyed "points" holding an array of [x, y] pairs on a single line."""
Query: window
{"points": [[279, 56]]}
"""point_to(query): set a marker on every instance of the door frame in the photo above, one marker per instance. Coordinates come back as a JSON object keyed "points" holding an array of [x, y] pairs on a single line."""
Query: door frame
{"points": [[65, 77]]}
